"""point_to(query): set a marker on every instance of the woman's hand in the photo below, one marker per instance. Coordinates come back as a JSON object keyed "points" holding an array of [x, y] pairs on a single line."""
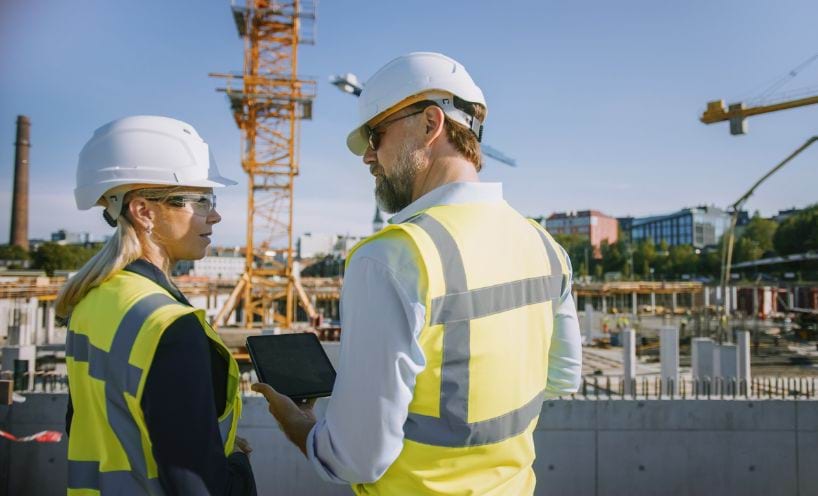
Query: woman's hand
{"points": [[242, 446]]}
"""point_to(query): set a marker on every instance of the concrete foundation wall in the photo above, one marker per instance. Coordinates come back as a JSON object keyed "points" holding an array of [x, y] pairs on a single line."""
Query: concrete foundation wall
{"points": [[584, 447]]}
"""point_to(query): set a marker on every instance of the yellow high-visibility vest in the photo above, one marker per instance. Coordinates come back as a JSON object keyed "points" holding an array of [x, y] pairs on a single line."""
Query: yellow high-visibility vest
{"points": [[489, 279], [112, 337]]}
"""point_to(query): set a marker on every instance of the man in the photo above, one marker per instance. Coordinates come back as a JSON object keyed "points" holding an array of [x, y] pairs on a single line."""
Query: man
{"points": [[457, 318]]}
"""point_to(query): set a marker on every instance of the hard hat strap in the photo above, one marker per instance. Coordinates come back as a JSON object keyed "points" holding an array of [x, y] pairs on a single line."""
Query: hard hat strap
{"points": [[444, 100], [461, 116], [114, 208]]}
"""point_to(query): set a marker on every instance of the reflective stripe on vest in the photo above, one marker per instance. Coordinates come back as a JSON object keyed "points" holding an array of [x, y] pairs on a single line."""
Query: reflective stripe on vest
{"points": [[455, 310], [108, 432], [119, 375]]}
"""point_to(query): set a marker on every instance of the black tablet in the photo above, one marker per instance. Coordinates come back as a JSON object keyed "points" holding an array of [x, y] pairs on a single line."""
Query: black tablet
{"points": [[296, 365]]}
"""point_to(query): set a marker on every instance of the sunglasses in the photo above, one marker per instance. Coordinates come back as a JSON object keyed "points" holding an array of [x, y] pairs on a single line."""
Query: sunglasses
{"points": [[374, 136]]}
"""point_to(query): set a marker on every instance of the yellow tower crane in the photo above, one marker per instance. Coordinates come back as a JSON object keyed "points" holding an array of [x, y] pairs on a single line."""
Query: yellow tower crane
{"points": [[268, 101], [737, 113]]}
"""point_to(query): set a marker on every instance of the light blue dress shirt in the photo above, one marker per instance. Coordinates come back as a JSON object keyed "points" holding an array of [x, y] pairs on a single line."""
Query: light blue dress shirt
{"points": [[382, 314]]}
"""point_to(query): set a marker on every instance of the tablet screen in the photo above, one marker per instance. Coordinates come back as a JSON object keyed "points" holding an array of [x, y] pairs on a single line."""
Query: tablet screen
{"points": [[294, 364]]}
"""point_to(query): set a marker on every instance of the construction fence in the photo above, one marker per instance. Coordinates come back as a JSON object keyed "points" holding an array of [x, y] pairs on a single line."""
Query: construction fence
{"points": [[592, 388]]}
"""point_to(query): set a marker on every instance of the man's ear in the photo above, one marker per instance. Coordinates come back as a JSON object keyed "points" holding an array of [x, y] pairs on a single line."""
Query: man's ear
{"points": [[142, 215], [434, 120]]}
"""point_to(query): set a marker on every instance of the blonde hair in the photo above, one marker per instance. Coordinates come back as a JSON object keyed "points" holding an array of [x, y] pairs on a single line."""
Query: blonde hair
{"points": [[123, 248]]}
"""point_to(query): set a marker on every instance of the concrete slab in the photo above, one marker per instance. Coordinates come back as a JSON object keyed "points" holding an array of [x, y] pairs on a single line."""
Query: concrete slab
{"points": [[807, 457], [44, 464], [565, 462], [280, 468], [696, 415], [807, 416], [702, 462], [584, 447], [567, 415]]}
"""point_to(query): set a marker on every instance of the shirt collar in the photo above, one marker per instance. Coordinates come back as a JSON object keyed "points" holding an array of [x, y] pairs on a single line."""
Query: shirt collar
{"points": [[153, 273], [452, 194]]}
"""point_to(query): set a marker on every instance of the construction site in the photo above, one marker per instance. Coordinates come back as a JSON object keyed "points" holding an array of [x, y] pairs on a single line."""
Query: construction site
{"points": [[690, 385]]}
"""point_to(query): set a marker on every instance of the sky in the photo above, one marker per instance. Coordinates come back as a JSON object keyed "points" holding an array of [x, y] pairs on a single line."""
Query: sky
{"points": [[598, 101]]}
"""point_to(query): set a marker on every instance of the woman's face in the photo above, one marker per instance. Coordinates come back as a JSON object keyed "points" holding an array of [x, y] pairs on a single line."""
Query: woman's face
{"points": [[184, 223]]}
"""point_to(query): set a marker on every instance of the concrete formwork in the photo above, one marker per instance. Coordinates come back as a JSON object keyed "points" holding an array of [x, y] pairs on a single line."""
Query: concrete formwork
{"points": [[584, 447]]}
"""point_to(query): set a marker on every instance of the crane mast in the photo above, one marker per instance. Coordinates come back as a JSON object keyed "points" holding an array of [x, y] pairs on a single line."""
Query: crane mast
{"points": [[268, 101]]}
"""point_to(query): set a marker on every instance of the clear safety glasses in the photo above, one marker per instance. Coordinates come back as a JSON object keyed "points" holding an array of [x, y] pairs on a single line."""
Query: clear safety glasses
{"points": [[201, 203]]}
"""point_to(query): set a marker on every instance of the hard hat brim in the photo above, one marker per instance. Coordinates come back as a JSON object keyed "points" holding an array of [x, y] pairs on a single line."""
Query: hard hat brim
{"points": [[358, 141]]}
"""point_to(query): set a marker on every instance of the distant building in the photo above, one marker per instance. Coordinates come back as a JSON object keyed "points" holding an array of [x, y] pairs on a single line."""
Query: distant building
{"points": [[64, 237], [219, 267], [590, 224], [315, 244], [699, 226], [783, 215], [377, 222], [625, 225], [743, 218], [312, 245], [182, 268]]}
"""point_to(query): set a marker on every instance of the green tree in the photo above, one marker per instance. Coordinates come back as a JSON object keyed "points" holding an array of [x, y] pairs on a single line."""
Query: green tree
{"points": [[13, 252], [52, 256], [614, 256], [710, 262], [579, 250], [683, 260], [756, 240], [644, 254], [799, 233]]}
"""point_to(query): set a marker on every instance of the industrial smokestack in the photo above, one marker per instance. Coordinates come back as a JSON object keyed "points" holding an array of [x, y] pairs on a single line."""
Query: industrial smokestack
{"points": [[19, 202]]}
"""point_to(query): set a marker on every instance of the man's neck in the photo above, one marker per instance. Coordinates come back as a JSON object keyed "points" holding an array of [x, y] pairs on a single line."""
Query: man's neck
{"points": [[444, 170]]}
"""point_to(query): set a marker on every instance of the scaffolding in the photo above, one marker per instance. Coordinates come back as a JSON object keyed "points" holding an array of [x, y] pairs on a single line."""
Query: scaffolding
{"points": [[268, 101]]}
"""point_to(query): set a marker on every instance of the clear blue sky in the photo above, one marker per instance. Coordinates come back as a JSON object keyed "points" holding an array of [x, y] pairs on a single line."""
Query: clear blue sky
{"points": [[597, 100]]}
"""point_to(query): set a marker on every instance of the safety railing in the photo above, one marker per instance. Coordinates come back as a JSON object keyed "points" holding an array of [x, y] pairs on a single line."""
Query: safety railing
{"points": [[592, 387], [655, 387]]}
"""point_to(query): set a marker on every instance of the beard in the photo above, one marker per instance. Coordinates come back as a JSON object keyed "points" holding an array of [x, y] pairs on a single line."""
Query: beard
{"points": [[393, 191]]}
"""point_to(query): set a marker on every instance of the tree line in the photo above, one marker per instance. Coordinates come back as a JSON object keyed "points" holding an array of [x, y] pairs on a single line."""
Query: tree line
{"points": [[646, 260], [49, 257]]}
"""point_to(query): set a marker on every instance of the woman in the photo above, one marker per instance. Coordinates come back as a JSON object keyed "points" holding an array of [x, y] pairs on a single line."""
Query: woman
{"points": [[154, 400]]}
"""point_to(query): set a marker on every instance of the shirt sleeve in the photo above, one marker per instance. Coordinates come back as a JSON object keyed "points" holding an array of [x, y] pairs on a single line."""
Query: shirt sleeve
{"points": [[565, 353], [180, 413], [361, 433]]}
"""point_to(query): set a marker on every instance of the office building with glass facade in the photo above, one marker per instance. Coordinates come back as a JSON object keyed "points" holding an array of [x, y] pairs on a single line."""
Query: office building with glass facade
{"points": [[698, 226]]}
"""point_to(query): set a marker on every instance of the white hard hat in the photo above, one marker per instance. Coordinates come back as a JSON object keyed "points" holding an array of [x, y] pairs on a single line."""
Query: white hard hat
{"points": [[142, 150], [425, 75]]}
